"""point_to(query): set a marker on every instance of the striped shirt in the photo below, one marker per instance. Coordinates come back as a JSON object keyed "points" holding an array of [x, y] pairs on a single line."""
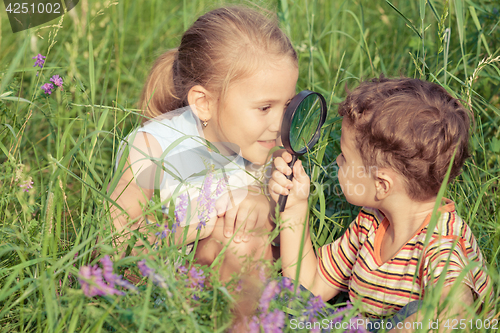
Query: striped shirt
{"points": [[352, 263]]}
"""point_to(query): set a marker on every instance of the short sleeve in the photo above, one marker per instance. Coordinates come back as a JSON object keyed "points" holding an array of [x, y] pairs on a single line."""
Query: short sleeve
{"points": [[335, 260], [446, 255]]}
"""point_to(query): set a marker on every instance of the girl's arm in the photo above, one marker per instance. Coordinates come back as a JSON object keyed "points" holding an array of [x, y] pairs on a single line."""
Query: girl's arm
{"points": [[133, 197], [295, 227]]}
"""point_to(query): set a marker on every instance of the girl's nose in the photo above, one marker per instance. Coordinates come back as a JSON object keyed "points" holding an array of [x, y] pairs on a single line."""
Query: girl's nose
{"points": [[275, 122]]}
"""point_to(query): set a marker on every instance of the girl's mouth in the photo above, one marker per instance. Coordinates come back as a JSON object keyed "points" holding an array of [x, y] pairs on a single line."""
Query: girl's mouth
{"points": [[269, 144]]}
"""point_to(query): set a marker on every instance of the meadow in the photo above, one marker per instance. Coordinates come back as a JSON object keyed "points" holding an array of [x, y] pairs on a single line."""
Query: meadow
{"points": [[58, 150]]}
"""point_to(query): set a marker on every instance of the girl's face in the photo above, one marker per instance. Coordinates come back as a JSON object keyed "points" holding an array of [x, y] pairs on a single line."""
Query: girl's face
{"points": [[251, 114]]}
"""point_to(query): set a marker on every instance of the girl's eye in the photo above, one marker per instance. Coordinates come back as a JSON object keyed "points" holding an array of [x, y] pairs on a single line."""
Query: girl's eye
{"points": [[265, 108]]}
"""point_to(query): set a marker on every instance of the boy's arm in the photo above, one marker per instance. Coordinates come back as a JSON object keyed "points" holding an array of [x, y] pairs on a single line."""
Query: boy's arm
{"points": [[295, 226], [453, 317], [292, 230]]}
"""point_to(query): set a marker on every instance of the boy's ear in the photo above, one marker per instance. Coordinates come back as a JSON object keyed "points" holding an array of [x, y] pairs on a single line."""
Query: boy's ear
{"points": [[384, 183], [201, 102]]}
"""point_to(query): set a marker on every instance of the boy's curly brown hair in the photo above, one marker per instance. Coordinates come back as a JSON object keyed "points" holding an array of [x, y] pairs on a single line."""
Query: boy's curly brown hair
{"points": [[411, 126]]}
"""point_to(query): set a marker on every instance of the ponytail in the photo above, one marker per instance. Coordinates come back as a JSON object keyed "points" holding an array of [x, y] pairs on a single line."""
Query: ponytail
{"points": [[159, 95], [222, 46]]}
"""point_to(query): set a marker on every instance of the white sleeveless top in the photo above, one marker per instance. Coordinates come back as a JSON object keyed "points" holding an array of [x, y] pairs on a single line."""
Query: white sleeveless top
{"points": [[187, 159]]}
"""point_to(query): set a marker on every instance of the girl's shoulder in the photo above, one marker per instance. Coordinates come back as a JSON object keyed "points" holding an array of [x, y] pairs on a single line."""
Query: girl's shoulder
{"points": [[172, 126], [175, 131]]}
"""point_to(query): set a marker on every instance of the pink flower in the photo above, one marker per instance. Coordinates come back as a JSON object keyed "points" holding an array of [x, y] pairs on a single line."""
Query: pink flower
{"points": [[149, 272], [47, 88], [28, 184], [39, 60], [269, 292], [111, 278], [180, 211], [205, 200], [58, 81], [91, 280]]}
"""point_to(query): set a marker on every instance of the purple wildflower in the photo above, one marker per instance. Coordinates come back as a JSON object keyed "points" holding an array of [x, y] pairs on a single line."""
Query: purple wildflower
{"points": [[164, 233], [273, 322], [286, 283], [111, 278], [340, 317], [180, 211], [262, 273], [314, 307], [90, 278], [27, 184], [254, 326], [47, 88], [340, 311], [144, 268], [182, 270], [149, 272], [269, 292], [221, 186], [196, 278], [40, 60], [205, 201], [58, 81]]}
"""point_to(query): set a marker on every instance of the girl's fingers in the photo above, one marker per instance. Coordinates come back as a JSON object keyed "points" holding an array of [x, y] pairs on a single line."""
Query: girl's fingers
{"points": [[239, 225], [250, 226], [299, 172], [229, 221], [282, 166], [281, 180], [221, 206], [287, 157], [276, 188]]}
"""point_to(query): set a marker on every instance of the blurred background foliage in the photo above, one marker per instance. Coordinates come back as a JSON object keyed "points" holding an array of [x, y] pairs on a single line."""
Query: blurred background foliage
{"points": [[66, 142]]}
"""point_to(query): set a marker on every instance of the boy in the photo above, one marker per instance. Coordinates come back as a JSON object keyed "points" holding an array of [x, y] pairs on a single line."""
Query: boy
{"points": [[398, 138]]}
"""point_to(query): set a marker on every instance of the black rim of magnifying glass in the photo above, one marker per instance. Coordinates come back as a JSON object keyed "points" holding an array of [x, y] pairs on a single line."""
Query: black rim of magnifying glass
{"points": [[288, 118], [285, 133]]}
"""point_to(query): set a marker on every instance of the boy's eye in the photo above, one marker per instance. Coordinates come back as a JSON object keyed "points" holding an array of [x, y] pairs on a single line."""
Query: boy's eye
{"points": [[265, 108]]}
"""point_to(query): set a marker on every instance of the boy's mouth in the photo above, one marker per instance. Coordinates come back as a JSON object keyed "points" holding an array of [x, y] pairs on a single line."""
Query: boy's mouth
{"points": [[269, 144]]}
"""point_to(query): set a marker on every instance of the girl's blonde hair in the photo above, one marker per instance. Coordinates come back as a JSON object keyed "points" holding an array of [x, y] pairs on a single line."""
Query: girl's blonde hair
{"points": [[222, 46]]}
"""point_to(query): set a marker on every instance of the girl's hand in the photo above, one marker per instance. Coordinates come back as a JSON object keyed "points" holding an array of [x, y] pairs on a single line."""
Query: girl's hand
{"points": [[297, 189], [244, 211]]}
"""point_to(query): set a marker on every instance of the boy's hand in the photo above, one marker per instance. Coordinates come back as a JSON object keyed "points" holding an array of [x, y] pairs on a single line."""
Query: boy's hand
{"points": [[297, 189], [244, 211]]}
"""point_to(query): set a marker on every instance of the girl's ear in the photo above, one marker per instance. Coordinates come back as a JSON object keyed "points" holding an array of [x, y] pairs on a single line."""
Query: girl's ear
{"points": [[201, 102]]}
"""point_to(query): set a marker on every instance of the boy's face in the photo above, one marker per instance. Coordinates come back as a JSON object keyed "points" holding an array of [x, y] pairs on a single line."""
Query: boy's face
{"points": [[357, 183]]}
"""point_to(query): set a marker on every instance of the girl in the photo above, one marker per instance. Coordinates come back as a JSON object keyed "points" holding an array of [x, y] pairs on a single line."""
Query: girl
{"points": [[229, 82]]}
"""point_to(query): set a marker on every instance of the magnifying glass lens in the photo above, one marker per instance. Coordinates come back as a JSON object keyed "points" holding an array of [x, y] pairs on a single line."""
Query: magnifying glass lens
{"points": [[305, 123], [301, 127]]}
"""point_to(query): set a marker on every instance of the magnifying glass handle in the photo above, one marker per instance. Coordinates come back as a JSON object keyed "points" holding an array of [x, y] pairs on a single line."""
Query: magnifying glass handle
{"points": [[282, 199]]}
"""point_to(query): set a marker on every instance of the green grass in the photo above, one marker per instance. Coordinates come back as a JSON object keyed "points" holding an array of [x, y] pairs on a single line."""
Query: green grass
{"points": [[67, 142]]}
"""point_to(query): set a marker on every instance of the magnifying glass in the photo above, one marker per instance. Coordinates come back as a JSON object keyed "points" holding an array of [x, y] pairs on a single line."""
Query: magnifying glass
{"points": [[301, 127]]}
